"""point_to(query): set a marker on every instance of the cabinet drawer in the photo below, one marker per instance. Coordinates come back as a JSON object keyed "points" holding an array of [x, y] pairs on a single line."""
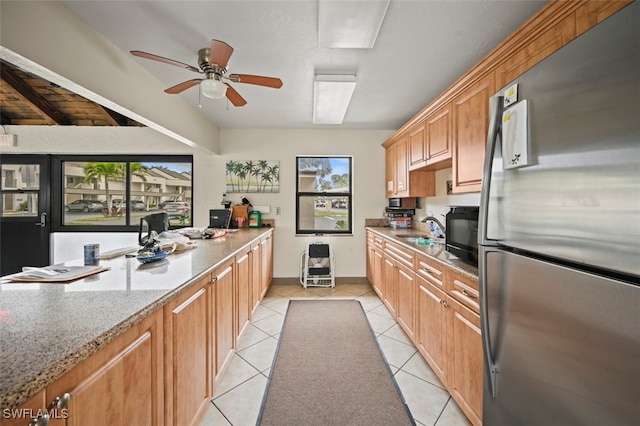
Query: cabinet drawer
{"points": [[430, 271], [399, 254], [378, 242], [465, 291]]}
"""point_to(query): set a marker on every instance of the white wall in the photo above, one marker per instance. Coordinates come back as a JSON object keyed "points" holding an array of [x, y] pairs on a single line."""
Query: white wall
{"points": [[209, 180], [284, 145], [438, 206]]}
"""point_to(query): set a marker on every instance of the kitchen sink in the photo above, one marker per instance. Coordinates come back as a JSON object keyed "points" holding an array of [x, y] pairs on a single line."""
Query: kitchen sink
{"points": [[420, 239]]}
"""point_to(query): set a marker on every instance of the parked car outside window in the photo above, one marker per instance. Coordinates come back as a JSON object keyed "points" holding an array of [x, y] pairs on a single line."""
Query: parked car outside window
{"points": [[84, 206], [133, 205], [178, 208]]}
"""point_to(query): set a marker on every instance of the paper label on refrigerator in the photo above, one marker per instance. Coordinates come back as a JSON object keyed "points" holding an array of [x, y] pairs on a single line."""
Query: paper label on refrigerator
{"points": [[515, 140], [510, 95]]}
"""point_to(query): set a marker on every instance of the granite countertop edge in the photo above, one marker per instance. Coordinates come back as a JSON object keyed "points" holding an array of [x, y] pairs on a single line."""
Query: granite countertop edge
{"points": [[444, 258], [24, 390]]}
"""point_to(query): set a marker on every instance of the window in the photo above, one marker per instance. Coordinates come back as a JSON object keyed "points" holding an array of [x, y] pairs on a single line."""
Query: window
{"points": [[112, 193], [324, 198]]}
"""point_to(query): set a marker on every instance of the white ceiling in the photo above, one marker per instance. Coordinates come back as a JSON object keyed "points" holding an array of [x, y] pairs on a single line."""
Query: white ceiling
{"points": [[423, 46]]}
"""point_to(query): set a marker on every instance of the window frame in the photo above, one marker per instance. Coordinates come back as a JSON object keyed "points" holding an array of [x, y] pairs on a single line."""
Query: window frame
{"points": [[59, 179], [349, 195]]}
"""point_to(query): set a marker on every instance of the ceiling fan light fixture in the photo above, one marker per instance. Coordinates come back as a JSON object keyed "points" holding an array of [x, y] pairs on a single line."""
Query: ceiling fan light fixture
{"points": [[212, 88]]}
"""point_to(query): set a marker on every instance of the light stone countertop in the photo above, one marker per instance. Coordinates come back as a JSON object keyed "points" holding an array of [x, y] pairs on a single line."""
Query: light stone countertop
{"points": [[47, 329], [436, 252]]}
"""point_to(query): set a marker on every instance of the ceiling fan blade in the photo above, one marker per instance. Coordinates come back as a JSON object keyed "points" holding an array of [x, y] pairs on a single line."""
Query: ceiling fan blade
{"points": [[183, 86], [235, 97], [220, 53], [164, 60], [259, 80]]}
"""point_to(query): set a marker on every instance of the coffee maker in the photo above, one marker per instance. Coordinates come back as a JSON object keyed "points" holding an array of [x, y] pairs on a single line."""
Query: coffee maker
{"points": [[152, 225]]}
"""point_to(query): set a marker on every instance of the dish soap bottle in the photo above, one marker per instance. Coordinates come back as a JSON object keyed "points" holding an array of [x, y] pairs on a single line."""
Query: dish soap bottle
{"points": [[435, 230], [255, 219]]}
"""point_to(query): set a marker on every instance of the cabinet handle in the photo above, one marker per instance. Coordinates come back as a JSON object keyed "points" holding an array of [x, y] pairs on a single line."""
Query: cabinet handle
{"points": [[61, 402], [444, 303], [213, 280], [469, 295], [41, 420]]}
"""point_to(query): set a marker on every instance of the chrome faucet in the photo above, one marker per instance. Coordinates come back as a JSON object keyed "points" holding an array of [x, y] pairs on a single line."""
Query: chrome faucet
{"points": [[442, 228]]}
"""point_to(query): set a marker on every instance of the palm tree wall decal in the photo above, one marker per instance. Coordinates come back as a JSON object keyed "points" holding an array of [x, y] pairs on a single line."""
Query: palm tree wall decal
{"points": [[252, 176]]}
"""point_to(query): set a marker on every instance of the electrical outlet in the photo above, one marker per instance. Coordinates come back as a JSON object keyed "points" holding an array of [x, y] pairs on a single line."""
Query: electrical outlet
{"points": [[277, 210]]}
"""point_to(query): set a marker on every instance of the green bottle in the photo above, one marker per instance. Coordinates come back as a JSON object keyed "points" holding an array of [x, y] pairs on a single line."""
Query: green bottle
{"points": [[255, 219]]}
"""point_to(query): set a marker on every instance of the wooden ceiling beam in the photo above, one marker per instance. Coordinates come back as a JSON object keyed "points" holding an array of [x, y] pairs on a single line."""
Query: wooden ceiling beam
{"points": [[4, 119], [35, 101], [113, 117]]}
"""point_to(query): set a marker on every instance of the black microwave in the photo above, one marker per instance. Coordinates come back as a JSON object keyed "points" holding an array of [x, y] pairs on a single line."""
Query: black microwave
{"points": [[461, 233]]}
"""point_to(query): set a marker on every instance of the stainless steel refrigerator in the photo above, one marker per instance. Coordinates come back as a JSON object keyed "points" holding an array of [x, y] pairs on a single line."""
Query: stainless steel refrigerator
{"points": [[559, 236]]}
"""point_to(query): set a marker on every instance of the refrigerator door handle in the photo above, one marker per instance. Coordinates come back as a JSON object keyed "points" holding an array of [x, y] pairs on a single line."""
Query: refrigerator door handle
{"points": [[491, 368], [495, 117]]}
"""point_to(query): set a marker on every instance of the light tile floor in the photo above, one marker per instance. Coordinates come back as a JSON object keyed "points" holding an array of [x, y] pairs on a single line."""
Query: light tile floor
{"points": [[239, 394]]}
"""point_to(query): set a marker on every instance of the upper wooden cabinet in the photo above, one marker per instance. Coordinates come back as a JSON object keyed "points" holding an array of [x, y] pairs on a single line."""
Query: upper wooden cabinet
{"points": [[451, 130], [471, 125], [437, 130], [401, 182], [430, 141], [546, 42]]}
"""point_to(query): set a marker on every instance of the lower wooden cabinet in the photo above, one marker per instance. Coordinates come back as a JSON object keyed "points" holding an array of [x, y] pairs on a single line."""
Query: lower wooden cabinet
{"points": [[256, 280], [431, 338], [163, 370], [438, 309], [121, 384], [465, 370], [406, 300], [188, 355], [224, 318], [36, 408], [266, 269], [242, 292]]}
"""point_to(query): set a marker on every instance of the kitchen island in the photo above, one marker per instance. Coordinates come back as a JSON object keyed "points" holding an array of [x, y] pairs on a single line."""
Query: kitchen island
{"points": [[48, 329]]}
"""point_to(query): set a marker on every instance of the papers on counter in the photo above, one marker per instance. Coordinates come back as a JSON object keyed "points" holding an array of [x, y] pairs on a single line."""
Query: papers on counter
{"points": [[54, 273]]}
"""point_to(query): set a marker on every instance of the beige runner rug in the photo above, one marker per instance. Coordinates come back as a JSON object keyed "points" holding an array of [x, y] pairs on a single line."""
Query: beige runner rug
{"points": [[329, 371]]}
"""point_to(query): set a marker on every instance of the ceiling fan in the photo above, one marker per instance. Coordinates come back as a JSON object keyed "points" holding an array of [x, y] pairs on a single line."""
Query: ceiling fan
{"points": [[213, 64]]}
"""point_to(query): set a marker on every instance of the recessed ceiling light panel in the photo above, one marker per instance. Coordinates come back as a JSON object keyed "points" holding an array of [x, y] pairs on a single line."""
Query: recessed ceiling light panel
{"points": [[350, 24], [331, 97]]}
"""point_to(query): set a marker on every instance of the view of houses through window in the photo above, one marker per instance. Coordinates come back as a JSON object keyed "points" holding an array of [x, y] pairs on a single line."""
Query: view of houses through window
{"points": [[111, 193], [324, 195]]}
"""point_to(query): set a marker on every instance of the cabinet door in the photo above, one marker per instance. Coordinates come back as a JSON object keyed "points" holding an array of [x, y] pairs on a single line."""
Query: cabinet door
{"points": [[389, 284], [465, 371], [122, 383], [432, 331], [223, 277], [187, 363], [33, 409], [402, 168], [536, 50], [378, 271], [437, 141], [417, 154], [390, 171], [266, 257], [591, 13], [470, 127], [407, 292], [242, 292], [256, 294]]}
